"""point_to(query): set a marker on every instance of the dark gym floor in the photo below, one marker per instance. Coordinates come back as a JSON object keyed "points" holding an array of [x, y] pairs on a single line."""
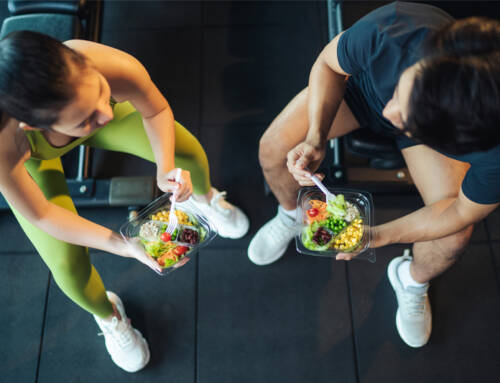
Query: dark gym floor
{"points": [[227, 68]]}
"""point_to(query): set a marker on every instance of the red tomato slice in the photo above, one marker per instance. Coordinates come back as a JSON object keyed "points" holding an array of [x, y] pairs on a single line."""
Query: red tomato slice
{"points": [[165, 237], [313, 212], [179, 250]]}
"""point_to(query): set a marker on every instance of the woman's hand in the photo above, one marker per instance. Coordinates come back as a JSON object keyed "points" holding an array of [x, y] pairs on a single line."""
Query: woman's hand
{"points": [[181, 190], [303, 157], [133, 249]]}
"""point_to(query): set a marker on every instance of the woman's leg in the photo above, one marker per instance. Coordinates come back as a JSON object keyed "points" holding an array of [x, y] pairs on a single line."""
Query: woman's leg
{"points": [[126, 134], [69, 264]]}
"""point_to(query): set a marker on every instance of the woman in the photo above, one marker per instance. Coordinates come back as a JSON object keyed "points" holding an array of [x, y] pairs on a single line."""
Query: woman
{"points": [[55, 96]]}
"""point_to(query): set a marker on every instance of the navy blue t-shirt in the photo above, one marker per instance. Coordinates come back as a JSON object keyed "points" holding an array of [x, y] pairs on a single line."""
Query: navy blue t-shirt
{"points": [[378, 48]]}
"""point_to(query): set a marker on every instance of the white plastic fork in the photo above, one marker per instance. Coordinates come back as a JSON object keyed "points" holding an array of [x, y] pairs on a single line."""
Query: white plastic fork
{"points": [[172, 217], [329, 196]]}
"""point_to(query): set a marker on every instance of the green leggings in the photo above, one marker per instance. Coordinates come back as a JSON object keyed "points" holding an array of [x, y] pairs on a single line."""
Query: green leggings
{"points": [[70, 264]]}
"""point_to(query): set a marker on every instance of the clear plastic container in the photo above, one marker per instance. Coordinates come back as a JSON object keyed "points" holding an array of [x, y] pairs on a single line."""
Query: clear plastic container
{"points": [[170, 253], [364, 204]]}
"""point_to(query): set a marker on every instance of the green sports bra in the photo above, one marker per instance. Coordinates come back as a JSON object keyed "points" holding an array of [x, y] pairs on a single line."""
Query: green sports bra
{"points": [[41, 149]]}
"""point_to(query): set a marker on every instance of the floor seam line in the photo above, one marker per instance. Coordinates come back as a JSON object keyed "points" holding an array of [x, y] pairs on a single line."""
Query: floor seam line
{"points": [[492, 255], [44, 319], [353, 333], [200, 135], [196, 303]]}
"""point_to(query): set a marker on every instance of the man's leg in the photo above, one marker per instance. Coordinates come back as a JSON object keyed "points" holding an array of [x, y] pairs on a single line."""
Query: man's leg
{"points": [[444, 181], [436, 177], [284, 133], [287, 130]]}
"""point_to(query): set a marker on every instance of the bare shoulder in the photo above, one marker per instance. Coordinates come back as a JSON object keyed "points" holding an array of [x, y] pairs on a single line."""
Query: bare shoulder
{"points": [[14, 146], [125, 74], [92, 49], [111, 62]]}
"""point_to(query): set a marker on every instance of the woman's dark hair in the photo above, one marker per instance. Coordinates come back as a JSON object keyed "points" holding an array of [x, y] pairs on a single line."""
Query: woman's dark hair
{"points": [[35, 77], [455, 99]]}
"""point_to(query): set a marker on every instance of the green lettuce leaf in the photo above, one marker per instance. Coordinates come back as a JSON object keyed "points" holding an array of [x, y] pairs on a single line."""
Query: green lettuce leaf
{"points": [[155, 248], [337, 206]]}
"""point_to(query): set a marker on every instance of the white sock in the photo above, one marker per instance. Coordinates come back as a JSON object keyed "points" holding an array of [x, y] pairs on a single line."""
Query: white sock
{"points": [[405, 276], [290, 213]]}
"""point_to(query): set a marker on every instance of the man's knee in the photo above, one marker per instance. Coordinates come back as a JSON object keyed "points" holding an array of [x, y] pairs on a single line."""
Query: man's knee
{"points": [[272, 152], [459, 241]]}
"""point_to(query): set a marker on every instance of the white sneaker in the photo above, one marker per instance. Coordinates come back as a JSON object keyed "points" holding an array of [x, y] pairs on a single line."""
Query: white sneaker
{"points": [[271, 241], [413, 318], [229, 220], [128, 349]]}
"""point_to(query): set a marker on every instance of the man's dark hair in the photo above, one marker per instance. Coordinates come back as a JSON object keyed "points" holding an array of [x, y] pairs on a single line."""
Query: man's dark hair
{"points": [[454, 104], [35, 77]]}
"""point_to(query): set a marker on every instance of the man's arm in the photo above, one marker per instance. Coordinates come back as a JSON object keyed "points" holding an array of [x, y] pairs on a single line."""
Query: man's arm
{"points": [[325, 93], [443, 218]]}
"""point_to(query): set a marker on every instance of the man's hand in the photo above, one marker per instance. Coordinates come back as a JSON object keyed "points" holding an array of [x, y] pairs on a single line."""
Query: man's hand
{"points": [[302, 158], [345, 256], [181, 190]]}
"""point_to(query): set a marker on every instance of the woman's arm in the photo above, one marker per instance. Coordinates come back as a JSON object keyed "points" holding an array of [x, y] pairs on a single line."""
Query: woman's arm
{"points": [[130, 81], [21, 191]]}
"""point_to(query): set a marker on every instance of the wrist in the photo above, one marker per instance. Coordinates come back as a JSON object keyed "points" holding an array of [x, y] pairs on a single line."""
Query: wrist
{"points": [[378, 239], [164, 169], [118, 244], [316, 140]]}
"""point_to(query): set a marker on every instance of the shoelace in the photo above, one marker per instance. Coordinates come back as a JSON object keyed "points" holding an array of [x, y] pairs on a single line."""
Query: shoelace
{"points": [[220, 204], [279, 231], [120, 331], [413, 304]]}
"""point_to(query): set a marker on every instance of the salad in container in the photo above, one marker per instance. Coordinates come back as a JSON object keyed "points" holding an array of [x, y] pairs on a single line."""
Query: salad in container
{"points": [[340, 225], [169, 250]]}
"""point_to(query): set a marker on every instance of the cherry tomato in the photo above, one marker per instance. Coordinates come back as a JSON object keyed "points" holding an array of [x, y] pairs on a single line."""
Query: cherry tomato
{"points": [[179, 250], [313, 212], [165, 237]]}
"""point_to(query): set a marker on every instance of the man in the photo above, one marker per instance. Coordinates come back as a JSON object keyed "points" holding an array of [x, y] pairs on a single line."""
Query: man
{"points": [[407, 70]]}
